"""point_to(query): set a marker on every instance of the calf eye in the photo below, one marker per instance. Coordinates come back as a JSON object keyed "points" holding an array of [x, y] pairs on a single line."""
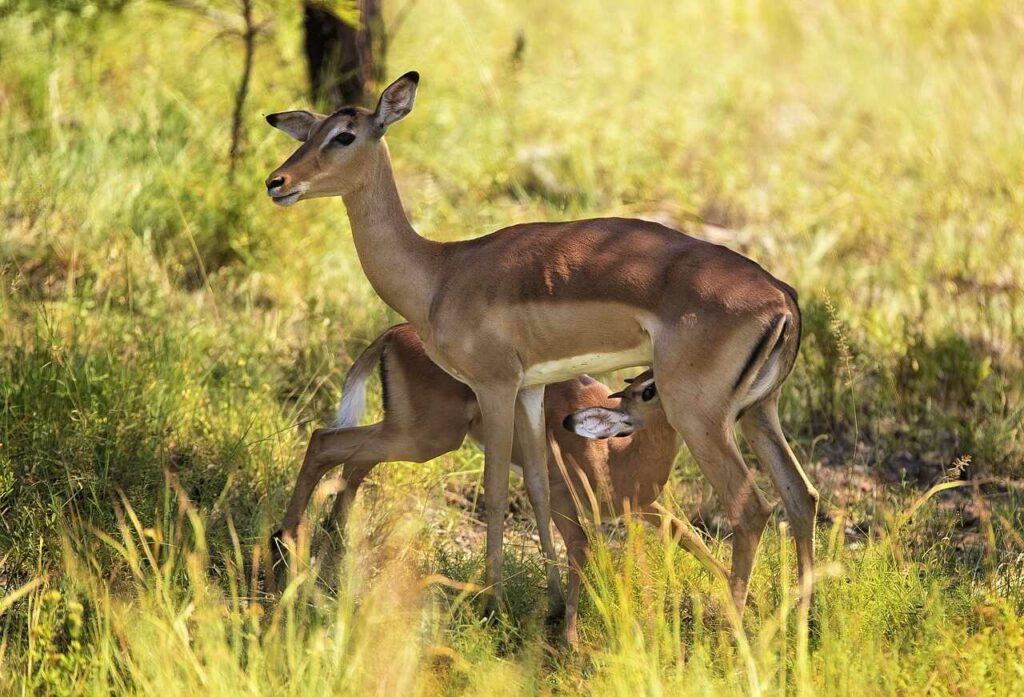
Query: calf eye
{"points": [[649, 392], [344, 138]]}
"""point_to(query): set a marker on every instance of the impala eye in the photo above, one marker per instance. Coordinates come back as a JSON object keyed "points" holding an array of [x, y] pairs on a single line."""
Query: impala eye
{"points": [[649, 393], [344, 138]]}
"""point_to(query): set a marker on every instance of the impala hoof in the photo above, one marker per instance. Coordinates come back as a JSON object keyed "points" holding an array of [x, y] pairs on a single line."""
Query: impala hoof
{"points": [[278, 562]]}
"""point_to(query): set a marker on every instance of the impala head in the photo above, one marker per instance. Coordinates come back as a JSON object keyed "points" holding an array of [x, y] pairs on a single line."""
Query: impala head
{"points": [[638, 402], [338, 150]]}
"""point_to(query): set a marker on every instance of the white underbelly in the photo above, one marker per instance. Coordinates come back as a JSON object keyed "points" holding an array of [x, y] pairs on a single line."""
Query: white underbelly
{"points": [[567, 368]]}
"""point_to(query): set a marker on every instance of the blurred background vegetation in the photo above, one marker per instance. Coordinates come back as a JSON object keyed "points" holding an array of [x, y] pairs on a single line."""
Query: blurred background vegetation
{"points": [[168, 338]]}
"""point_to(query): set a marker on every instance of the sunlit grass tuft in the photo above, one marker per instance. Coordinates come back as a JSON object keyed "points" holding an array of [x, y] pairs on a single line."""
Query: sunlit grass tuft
{"points": [[168, 339], [160, 615]]}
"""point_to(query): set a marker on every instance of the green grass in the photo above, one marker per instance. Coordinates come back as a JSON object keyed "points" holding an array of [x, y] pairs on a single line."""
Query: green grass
{"points": [[169, 338]]}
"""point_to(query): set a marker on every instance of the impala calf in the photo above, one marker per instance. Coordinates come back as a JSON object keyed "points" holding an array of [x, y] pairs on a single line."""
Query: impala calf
{"points": [[537, 303], [428, 413]]}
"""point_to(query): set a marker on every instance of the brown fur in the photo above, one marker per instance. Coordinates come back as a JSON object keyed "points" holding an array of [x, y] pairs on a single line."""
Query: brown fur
{"points": [[429, 413], [539, 303]]}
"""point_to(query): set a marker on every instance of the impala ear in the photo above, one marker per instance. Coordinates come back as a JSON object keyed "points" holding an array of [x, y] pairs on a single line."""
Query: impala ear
{"points": [[646, 375], [297, 124], [396, 101], [597, 423]]}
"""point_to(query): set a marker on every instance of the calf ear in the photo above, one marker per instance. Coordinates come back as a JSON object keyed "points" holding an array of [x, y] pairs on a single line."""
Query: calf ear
{"points": [[297, 124], [396, 101], [597, 423]]}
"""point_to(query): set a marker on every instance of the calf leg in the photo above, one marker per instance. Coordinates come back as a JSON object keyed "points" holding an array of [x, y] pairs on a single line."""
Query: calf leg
{"points": [[335, 536], [353, 475], [363, 446], [577, 545], [327, 449]]}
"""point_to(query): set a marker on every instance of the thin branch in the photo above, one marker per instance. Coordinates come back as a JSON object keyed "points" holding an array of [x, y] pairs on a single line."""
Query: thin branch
{"points": [[400, 18], [224, 19], [230, 24]]}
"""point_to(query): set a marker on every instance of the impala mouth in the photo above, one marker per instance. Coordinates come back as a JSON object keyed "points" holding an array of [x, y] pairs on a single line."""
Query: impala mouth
{"points": [[285, 199]]}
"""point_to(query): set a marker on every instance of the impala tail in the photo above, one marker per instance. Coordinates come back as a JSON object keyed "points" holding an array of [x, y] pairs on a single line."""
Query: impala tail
{"points": [[353, 393], [770, 362]]}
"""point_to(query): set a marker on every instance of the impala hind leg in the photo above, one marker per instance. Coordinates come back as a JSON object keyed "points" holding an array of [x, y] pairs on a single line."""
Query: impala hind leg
{"points": [[353, 475], [746, 508], [761, 429], [710, 441], [336, 525], [497, 417], [529, 430], [327, 449]]}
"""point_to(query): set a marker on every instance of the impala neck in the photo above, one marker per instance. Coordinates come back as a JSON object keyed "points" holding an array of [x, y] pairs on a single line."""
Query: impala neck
{"points": [[400, 265]]}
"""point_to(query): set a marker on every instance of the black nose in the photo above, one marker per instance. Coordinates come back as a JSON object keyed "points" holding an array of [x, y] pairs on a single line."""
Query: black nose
{"points": [[568, 423], [275, 182]]}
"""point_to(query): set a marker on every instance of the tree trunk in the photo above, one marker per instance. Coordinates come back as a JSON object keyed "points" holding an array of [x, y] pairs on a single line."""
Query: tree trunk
{"points": [[346, 61], [237, 122]]}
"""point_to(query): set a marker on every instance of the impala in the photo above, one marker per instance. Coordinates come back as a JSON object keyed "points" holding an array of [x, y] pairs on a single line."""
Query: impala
{"points": [[537, 303], [428, 413]]}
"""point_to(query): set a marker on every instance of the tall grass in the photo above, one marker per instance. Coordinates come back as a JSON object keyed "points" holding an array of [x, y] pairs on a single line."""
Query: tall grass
{"points": [[167, 340], [161, 615]]}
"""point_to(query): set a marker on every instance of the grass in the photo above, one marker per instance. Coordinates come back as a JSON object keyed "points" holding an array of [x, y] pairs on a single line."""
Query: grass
{"points": [[168, 339]]}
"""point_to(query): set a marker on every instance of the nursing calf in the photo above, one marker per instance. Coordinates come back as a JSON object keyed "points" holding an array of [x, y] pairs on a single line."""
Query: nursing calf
{"points": [[428, 413]]}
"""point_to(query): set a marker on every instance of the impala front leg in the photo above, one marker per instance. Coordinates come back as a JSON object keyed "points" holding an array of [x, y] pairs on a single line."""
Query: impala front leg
{"points": [[533, 446], [497, 415]]}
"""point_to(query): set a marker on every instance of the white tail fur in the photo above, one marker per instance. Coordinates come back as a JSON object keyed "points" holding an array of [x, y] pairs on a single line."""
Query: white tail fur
{"points": [[766, 368], [353, 393]]}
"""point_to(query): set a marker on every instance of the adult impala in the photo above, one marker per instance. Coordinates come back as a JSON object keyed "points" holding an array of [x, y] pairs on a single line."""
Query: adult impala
{"points": [[537, 303]]}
